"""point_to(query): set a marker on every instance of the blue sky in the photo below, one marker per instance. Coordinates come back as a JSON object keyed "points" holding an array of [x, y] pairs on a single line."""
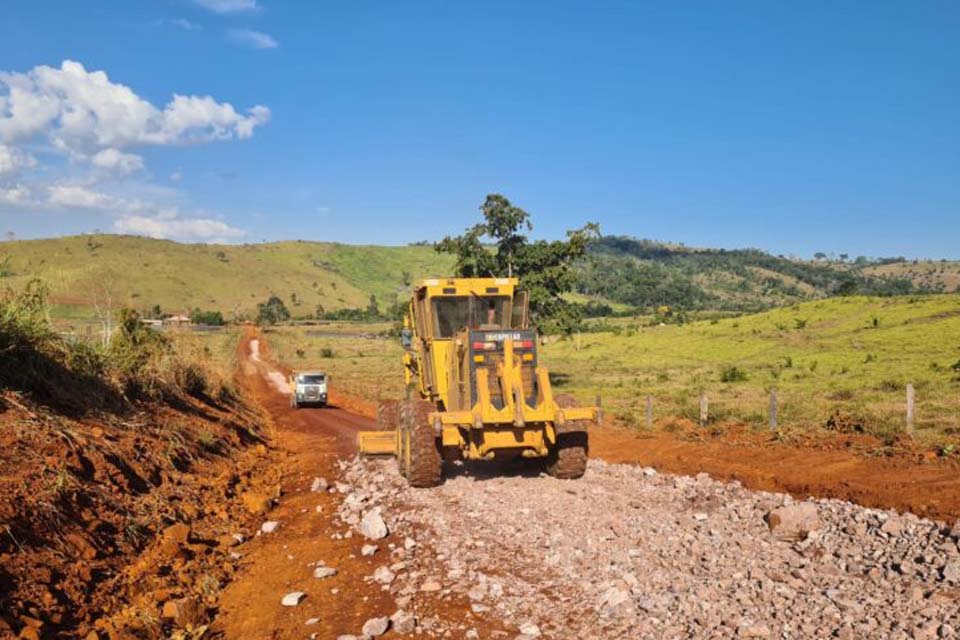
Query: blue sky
{"points": [[793, 127]]}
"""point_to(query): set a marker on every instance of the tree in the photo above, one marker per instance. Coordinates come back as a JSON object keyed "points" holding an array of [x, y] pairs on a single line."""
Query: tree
{"points": [[819, 255], [272, 311], [373, 309], [545, 267]]}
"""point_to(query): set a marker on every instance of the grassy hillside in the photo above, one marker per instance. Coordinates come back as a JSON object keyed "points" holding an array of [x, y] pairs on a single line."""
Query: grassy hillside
{"points": [[850, 355], [648, 274], [621, 274], [937, 275], [141, 272]]}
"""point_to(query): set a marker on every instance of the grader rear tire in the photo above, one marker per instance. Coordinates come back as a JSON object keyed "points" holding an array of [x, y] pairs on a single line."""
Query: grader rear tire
{"points": [[424, 466]]}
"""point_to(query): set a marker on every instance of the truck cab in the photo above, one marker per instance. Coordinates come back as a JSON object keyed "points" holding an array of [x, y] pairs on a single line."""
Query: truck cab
{"points": [[308, 388]]}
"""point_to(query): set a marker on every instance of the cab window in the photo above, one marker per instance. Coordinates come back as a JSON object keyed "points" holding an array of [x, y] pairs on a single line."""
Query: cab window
{"points": [[452, 314], [311, 379]]}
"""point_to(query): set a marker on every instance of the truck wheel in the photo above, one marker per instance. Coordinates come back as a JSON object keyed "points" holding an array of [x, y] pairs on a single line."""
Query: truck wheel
{"points": [[568, 458], [424, 464]]}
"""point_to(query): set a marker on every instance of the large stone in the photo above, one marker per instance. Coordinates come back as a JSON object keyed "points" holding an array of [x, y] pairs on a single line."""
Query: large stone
{"points": [[794, 522], [951, 571], [269, 527], [403, 623], [430, 585], [383, 575], [375, 627], [372, 526], [324, 572], [293, 598]]}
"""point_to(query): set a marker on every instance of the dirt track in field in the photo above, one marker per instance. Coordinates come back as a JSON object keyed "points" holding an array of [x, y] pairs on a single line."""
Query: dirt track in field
{"points": [[316, 443]]}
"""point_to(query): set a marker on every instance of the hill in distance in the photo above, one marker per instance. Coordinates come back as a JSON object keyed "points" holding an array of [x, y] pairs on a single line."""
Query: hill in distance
{"points": [[622, 272], [646, 273]]}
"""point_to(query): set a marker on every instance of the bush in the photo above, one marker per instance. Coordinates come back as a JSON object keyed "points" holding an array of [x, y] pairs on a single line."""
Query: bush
{"points": [[326, 352], [732, 374], [210, 318]]}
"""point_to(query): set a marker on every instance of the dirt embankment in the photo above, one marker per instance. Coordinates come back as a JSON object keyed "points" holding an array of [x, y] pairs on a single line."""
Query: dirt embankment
{"points": [[122, 524]]}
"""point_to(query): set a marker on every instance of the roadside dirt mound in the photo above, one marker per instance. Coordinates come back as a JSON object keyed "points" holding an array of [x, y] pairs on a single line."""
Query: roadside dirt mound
{"points": [[122, 526]]}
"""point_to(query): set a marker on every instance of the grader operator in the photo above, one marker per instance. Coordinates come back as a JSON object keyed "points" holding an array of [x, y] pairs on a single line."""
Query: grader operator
{"points": [[476, 389]]}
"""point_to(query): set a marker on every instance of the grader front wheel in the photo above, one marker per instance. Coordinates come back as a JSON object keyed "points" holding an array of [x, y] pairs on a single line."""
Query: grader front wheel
{"points": [[419, 454], [568, 458]]}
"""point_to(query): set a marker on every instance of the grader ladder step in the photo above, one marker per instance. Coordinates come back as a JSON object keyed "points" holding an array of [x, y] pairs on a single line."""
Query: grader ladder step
{"points": [[377, 443]]}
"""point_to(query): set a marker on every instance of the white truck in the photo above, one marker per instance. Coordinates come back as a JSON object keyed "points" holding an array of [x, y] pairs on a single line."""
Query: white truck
{"points": [[308, 388]]}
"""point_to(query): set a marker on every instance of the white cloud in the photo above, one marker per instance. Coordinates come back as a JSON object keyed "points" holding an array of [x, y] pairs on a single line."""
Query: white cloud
{"points": [[95, 124], [229, 6], [18, 194], [13, 160], [80, 197], [83, 113], [172, 226], [117, 161], [253, 39]]}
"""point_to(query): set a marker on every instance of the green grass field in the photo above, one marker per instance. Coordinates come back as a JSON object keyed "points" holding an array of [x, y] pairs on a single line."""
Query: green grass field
{"points": [[853, 355]]}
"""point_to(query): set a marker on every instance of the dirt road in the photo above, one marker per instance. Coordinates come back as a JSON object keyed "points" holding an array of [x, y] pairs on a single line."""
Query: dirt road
{"points": [[625, 552], [313, 442]]}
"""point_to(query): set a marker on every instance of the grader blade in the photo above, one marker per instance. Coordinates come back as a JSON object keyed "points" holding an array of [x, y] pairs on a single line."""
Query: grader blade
{"points": [[377, 443]]}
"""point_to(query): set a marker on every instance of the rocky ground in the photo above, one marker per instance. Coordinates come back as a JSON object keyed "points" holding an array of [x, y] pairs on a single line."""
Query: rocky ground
{"points": [[627, 552]]}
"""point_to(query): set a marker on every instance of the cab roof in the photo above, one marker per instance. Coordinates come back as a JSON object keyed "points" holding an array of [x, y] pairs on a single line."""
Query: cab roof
{"points": [[467, 286]]}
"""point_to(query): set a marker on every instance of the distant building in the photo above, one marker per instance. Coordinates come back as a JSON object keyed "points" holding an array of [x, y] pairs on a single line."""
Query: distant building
{"points": [[153, 323], [177, 321]]}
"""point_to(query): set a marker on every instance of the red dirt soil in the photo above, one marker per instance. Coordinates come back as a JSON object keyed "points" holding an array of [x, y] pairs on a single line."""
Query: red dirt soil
{"points": [[842, 467], [107, 518]]}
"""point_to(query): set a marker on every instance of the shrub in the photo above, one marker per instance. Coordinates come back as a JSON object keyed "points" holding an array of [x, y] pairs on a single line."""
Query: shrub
{"points": [[326, 352], [732, 374], [210, 318]]}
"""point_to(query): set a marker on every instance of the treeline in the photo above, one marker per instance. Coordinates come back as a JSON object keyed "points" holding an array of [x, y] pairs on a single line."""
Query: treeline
{"points": [[647, 275]]}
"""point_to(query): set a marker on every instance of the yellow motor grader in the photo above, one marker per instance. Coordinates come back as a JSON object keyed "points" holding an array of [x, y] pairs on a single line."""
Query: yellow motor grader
{"points": [[476, 390]]}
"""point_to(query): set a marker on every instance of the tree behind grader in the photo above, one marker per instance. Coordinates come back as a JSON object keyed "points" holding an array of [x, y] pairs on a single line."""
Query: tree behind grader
{"points": [[479, 390]]}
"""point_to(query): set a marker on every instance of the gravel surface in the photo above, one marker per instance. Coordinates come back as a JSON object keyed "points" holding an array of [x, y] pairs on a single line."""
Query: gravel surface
{"points": [[626, 552]]}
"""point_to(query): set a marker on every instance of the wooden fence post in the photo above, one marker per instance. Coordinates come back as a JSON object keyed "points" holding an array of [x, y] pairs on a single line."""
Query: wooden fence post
{"points": [[773, 409], [704, 408], [910, 408], [649, 411]]}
